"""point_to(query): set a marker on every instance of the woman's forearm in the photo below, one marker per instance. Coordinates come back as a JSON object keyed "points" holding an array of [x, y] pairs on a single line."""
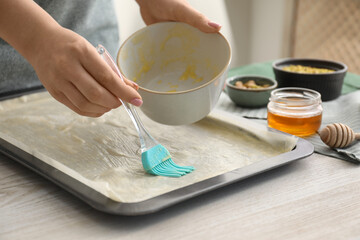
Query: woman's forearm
{"points": [[67, 64], [25, 25]]}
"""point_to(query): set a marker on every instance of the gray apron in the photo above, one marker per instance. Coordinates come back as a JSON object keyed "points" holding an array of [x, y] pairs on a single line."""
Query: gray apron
{"points": [[95, 20]]}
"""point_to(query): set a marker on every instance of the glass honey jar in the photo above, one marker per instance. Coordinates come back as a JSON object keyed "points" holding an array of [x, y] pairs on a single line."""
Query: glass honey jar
{"points": [[297, 111]]}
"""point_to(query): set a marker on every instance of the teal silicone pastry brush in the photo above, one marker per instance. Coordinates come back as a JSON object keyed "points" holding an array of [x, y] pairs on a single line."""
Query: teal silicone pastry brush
{"points": [[155, 158]]}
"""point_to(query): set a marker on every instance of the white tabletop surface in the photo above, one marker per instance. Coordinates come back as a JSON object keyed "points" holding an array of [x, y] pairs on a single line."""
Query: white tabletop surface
{"points": [[317, 197]]}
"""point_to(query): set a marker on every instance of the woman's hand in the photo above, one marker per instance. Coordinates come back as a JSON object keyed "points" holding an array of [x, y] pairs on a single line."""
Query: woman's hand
{"points": [[153, 11], [68, 65], [73, 72]]}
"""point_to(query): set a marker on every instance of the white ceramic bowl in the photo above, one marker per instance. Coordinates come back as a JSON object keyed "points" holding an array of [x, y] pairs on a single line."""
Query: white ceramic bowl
{"points": [[180, 70]]}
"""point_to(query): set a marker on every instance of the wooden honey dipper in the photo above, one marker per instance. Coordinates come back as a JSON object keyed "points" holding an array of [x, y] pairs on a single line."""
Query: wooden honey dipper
{"points": [[338, 135]]}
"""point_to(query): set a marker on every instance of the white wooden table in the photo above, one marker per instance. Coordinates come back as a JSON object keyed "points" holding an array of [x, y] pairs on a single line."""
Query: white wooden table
{"points": [[314, 198]]}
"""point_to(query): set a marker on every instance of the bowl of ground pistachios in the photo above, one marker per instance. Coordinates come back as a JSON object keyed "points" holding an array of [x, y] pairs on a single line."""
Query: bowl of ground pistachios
{"points": [[324, 76], [250, 91]]}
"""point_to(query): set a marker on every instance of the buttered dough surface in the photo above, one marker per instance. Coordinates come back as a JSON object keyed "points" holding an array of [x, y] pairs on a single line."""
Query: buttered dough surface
{"points": [[104, 153]]}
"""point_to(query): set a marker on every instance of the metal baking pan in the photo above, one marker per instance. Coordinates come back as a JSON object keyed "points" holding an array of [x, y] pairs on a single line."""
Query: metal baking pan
{"points": [[105, 204]]}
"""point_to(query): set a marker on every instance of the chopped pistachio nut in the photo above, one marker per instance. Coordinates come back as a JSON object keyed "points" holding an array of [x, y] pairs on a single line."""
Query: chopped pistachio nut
{"points": [[251, 84]]}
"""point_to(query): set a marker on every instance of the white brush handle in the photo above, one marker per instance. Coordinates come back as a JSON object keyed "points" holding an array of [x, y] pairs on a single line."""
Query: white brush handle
{"points": [[146, 140]]}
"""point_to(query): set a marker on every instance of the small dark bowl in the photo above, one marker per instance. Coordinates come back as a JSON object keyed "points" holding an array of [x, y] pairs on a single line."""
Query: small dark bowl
{"points": [[329, 85], [250, 98]]}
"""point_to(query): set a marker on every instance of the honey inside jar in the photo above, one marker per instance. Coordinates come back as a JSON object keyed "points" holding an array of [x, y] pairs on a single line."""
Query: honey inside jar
{"points": [[296, 126], [297, 111]]}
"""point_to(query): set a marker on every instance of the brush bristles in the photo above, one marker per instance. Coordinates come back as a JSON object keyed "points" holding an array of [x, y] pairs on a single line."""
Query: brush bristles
{"points": [[169, 169], [157, 161]]}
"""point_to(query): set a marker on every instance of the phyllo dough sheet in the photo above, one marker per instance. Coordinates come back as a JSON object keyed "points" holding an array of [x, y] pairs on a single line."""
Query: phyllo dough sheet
{"points": [[104, 153]]}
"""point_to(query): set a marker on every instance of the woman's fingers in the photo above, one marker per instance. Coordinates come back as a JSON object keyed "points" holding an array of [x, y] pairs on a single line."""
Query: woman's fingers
{"points": [[62, 98], [107, 78], [82, 102], [93, 91], [186, 13], [131, 83], [176, 10]]}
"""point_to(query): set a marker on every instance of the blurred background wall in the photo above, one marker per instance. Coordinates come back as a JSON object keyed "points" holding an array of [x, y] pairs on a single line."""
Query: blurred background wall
{"points": [[264, 30], [257, 30]]}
